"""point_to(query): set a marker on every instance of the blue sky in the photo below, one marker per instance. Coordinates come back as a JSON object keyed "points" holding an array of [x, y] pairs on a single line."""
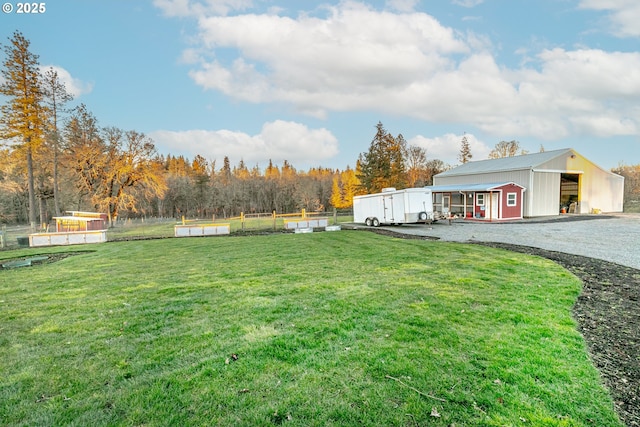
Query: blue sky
{"points": [[307, 81]]}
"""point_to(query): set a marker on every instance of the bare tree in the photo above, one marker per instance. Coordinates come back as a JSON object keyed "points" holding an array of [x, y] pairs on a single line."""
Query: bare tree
{"points": [[416, 166], [507, 149], [84, 152], [434, 167], [631, 176]]}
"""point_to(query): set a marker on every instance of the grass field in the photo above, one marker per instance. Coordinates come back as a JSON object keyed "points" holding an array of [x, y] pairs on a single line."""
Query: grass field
{"points": [[334, 328]]}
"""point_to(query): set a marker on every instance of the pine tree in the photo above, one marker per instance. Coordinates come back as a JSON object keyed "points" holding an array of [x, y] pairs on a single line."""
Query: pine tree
{"points": [[465, 150], [55, 97], [383, 165], [225, 172], [23, 116]]}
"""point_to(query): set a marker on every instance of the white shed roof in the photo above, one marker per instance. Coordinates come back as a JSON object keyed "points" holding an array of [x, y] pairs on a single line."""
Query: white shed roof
{"points": [[76, 218], [468, 187], [526, 161]]}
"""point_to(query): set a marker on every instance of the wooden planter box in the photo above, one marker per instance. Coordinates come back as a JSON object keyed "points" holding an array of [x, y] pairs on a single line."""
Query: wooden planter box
{"points": [[67, 238], [293, 224], [201, 230]]}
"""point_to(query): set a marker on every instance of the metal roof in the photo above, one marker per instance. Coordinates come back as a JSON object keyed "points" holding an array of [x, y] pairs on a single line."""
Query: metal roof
{"points": [[77, 218], [468, 187], [526, 161]]}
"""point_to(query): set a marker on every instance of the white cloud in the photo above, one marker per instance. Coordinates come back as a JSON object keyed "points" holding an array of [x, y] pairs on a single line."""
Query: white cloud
{"points": [[447, 147], [74, 86], [624, 15], [576, 90], [182, 8], [353, 57], [402, 5], [279, 140]]}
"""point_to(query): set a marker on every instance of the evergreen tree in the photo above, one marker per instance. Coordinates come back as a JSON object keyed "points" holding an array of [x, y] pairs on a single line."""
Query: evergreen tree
{"points": [[55, 97], [465, 150], [226, 171], [23, 115], [384, 164]]}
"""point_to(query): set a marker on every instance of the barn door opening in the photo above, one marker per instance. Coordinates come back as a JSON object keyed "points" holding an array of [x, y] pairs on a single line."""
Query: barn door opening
{"points": [[569, 192]]}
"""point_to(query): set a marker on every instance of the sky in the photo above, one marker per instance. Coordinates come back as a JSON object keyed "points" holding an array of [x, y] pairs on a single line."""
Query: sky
{"points": [[308, 81]]}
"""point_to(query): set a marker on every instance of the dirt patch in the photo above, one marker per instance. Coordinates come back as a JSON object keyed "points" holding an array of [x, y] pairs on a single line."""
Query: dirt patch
{"points": [[41, 259], [608, 315]]}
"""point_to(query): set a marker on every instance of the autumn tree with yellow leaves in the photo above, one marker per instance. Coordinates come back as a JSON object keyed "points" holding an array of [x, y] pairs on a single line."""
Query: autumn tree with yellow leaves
{"points": [[109, 164], [345, 186]]}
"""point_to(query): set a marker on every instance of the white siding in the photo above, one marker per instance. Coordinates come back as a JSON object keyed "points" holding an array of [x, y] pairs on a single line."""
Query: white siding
{"points": [[599, 188], [545, 195], [602, 191], [520, 177]]}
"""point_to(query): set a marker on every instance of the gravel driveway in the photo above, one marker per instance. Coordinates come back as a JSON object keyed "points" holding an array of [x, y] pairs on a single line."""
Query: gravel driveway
{"points": [[614, 238]]}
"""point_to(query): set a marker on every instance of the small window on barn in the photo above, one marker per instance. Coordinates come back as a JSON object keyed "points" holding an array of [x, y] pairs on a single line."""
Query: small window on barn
{"points": [[480, 199], [512, 199]]}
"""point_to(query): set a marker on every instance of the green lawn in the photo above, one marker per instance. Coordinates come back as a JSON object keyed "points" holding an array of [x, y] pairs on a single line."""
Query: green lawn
{"points": [[334, 328], [165, 228]]}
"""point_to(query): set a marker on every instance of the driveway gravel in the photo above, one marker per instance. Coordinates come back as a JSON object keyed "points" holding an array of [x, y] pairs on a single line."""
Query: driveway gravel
{"points": [[614, 238]]}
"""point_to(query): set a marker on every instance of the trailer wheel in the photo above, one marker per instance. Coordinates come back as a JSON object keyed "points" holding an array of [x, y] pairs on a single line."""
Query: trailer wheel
{"points": [[375, 222], [422, 216], [367, 222]]}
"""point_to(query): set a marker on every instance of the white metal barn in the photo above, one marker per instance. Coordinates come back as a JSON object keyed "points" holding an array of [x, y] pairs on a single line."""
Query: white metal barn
{"points": [[554, 180]]}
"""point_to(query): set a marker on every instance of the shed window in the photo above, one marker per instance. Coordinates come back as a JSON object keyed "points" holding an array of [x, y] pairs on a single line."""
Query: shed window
{"points": [[512, 199], [480, 199]]}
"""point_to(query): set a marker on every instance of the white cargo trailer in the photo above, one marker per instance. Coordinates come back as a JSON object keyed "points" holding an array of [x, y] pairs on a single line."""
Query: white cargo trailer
{"points": [[393, 206]]}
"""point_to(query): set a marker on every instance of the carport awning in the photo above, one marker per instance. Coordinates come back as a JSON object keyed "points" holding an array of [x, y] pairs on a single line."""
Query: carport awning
{"points": [[469, 188]]}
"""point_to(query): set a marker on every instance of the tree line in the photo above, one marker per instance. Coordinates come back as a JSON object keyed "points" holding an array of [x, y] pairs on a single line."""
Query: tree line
{"points": [[56, 159]]}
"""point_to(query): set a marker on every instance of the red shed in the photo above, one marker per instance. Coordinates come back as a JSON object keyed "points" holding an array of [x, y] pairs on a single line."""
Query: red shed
{"points": [[494, 201]]}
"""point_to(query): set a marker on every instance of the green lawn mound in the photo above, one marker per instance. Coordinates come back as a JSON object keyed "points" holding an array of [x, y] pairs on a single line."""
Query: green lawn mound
{"points": [[345, 328]]}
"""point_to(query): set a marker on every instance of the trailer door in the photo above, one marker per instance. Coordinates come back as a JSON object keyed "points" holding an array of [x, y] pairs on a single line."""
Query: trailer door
{"points": [[387, 203]]}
